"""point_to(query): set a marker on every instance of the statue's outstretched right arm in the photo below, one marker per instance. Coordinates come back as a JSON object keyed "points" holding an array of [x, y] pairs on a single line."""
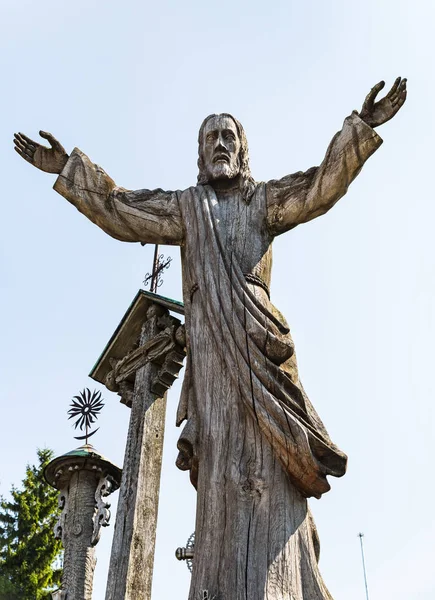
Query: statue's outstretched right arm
{"points": [[147, 216]]}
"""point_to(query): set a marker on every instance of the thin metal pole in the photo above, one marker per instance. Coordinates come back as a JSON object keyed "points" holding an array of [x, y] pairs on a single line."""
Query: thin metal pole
{"points": [[153, 286], [361, 535]]}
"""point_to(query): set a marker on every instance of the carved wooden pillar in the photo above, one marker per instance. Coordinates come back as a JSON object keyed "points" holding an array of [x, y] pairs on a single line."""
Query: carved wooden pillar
{"points": [[84, 478], [140, 362]]}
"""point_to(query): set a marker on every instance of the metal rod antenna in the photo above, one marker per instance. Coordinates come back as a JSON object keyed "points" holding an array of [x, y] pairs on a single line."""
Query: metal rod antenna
{"points": [[153, 287], [361, 535], [155, 278]]}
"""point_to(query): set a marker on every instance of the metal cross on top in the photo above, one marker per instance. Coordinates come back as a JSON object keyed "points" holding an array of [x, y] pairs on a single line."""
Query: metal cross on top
{"points": [[159, 265]]}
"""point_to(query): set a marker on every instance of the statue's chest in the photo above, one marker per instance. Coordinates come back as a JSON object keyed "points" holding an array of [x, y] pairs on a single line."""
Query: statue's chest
{"points": [[224, 229], [241, 228]]}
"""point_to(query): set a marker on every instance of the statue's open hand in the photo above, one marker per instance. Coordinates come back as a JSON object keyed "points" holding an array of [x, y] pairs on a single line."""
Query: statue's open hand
{"points": [[377, 113], [50, 160]]}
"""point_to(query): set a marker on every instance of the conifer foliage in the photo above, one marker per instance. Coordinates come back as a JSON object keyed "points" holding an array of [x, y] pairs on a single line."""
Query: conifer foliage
{"points": [[28, 550]]}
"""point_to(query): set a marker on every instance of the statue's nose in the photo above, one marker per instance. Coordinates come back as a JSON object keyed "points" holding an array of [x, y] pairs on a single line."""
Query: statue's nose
{"points": [[221, 144]]}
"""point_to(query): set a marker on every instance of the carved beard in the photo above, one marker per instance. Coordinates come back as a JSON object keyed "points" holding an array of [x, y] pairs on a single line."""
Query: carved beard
{"points": [[222, 170]]}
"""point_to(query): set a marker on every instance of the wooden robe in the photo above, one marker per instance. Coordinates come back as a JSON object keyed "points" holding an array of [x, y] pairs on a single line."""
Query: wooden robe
{"points": [[254, 445]]}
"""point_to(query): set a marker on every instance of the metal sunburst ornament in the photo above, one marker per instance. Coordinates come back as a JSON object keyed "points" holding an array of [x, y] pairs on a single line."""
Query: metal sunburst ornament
{"points": [[86, 406]]}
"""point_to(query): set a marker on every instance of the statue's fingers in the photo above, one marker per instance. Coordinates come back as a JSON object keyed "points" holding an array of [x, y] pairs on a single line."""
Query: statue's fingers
{"points": [[54, 143], [23, 155], [394, 98], [394, 88], [402, 98], [24, 149], [401, 94], [29, 153], [18, 142], [48, 136], [371, 96], [19, 138], [27, 139]]}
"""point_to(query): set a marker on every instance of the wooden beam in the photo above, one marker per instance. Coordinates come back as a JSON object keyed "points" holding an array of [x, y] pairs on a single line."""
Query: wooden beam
{"points": [[132, 558]]}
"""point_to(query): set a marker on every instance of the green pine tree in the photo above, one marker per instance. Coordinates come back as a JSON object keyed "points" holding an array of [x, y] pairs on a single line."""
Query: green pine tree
{"points": [[7, 589], [28, 550]]}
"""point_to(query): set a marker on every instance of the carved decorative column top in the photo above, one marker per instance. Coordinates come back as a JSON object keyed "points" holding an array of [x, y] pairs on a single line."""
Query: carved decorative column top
{"points": [[124, 355], [60, 470], [126, 336], [84, 479]]}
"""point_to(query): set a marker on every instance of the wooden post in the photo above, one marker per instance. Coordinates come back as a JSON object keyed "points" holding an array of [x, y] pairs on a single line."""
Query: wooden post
{"points": [[84, 478], [140, 367], [132, 559]]}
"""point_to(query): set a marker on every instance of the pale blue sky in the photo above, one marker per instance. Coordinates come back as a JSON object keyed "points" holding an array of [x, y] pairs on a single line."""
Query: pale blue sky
{"points": [[129, 83]]}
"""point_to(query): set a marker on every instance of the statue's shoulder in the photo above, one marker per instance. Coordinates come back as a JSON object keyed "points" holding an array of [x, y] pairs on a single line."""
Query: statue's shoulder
{"points": [[190, 197], [256, 195], [193, 190]]}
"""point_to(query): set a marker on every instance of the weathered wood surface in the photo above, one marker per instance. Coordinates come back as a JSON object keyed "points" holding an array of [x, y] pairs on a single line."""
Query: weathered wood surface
{"points": [[132, 558], [125, 337], [165, 349], [79, 553], [84, 479], [140, 363], [253, 443]]}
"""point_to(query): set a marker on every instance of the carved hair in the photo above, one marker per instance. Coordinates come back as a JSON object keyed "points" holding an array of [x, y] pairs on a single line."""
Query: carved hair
{"points": [[247, 183]]}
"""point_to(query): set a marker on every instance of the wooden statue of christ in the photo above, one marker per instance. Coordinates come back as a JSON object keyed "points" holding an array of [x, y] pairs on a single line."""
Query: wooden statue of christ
{"points": [[253, 443]]}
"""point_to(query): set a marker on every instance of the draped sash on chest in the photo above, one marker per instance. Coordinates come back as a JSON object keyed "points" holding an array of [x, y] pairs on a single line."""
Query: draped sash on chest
{"points": [[256, 343]]}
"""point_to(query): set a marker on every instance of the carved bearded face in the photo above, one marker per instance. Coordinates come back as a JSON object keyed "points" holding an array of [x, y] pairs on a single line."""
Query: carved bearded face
{"points": [[220, 148]]}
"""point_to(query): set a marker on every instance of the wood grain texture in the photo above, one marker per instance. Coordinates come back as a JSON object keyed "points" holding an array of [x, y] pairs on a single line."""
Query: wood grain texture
{"points": [[254, 535], [84, 478], [132, 558], [253, 442], [79, 552]]}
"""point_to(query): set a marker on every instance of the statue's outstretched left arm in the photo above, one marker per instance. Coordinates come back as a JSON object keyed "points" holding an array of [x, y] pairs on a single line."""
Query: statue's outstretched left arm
{"points": [[303, 196]]}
